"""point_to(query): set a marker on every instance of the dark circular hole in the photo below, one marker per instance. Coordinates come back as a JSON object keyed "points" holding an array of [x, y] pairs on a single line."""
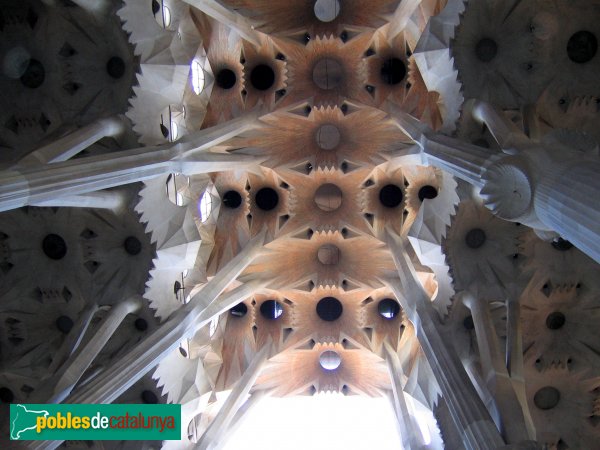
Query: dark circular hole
{"points": [[149, 397], [262, 77], [64, 324], [183, 352], [555, 320], [427, 192], [393, 71], [582, 47], [140, 324], [390, 196], [155, 7], [54, 246], [239, 310], [226, 79], [115, 67], [6, 395], [475, 238], [266, 199], [329, 309], [486, 50], [546, 398], [132, 245], [561, 244], [232, 199], [388, 308], [34, 74], [468, 323], [271, 309]]}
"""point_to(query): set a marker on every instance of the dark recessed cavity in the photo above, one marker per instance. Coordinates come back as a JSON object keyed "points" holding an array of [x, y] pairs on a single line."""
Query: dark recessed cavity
{"points": [[561, 244], [427, 192], [393, 71], [388, 308], [149, 397], [54, 246], [6, 395], [582, 47], [486, 50], [140, 324], [267, 199], [329, 309], [115, 67], [34, 75], [64, 324], [132, 245], [475, 238], [546, 398], [226, 79], [239, 310], [232, 199], [468, 323], [262, 77], [555, 320], [271, 309], [390, 196]]}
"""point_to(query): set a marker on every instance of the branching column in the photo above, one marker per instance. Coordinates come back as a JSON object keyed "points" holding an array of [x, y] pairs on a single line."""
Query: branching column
{"points": [[468, 412], [122, 374], [495, 373]]}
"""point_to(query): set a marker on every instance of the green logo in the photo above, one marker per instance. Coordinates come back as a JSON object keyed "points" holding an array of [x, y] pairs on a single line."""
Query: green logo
{"points": [[95, 422]]}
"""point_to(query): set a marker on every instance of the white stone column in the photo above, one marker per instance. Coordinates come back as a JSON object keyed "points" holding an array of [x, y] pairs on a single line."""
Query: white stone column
{"points": [[122, 374], [114, 200], [409, 433], [233, 20], [73, 370], [469, 414], [220, 424], [70, 145], [512, 419]]}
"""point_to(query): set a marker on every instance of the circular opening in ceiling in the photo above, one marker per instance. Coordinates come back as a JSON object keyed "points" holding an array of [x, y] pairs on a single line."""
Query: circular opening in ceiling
{"points": [[226, 79], [262, 77], [468, 323], [393, 71], [64, 324], [115, 67], [162, 14], [561, 244], [177, 189], [140, 324], [330, 360], [232, 199], [266, 199], [486, 50], [328, 254], [546, 398], [555, 320], [239, 310], [329, 309], [328, 197], [328, 137], [6, 395], [427, 192], [475, 238], [271, 309], [390, 196], [132, 245], [34, 75], [582, 47], [149, 397], [388, 308], [54, 246], [327, 10], [327, 73]]}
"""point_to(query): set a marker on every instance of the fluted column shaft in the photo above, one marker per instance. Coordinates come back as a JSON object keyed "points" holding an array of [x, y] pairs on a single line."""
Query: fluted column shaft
{"points": [[469, 414]]}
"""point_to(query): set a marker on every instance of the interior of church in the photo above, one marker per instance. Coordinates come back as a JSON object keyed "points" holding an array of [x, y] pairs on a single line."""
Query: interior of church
{"points": [[234, 205]]}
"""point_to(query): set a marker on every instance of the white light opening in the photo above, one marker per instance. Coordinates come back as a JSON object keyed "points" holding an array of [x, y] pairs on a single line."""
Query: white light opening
{"points": [[197, 77]]}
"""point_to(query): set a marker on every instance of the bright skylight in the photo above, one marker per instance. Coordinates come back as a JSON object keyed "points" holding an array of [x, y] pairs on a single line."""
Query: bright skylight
{"points": [[320, 422], [197, 77]]}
